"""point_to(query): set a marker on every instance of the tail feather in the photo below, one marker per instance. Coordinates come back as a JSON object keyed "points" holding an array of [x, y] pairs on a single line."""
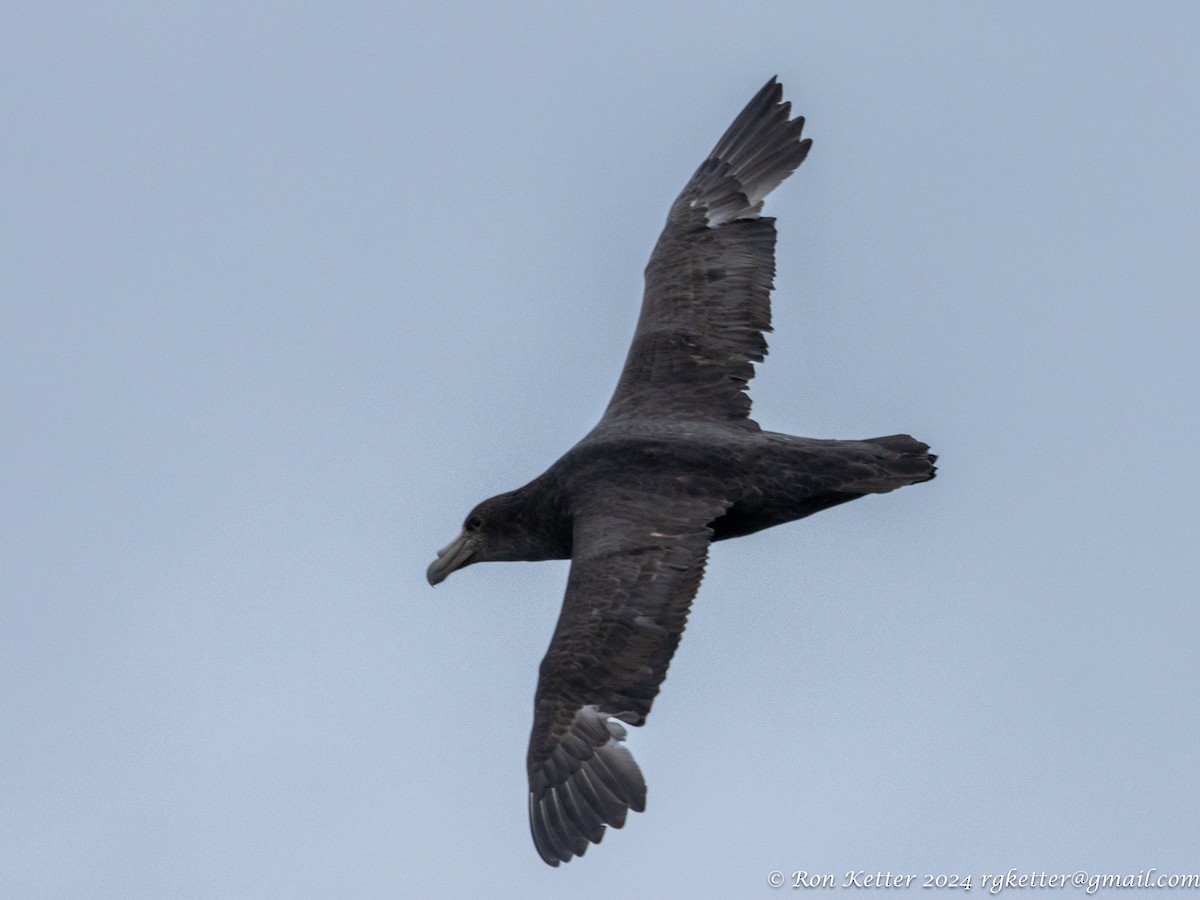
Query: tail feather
{"points": [[903, 461]]}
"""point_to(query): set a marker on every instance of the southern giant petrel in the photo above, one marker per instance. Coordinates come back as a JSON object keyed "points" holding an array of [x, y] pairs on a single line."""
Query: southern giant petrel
{"points": [[675, 463]]}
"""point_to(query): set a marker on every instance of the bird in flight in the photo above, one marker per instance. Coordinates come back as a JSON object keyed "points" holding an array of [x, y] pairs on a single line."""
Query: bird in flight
{"points": [[675, 463]]}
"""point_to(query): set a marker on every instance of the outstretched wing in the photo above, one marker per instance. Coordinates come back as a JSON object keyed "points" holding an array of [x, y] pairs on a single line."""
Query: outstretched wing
{"points": [[637, 562], [708, 283]]}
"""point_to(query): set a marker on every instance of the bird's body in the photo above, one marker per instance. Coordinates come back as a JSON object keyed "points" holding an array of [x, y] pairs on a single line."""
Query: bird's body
{"points": [[675, 463]]}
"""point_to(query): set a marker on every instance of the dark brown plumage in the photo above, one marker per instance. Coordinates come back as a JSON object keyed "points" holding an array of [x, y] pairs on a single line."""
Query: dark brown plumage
{"points": [[675, 463]]}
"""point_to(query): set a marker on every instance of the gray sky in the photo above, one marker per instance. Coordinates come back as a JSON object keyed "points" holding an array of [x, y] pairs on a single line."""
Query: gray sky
{"points": [[287, 289]]}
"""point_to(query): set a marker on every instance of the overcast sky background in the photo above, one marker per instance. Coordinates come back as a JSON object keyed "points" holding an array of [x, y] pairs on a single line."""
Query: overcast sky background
{"points": [[288, 288]]}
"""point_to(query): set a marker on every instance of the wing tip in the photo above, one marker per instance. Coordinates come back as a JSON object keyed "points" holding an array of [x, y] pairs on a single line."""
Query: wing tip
{"points": [[760, 149], [569, 812]]}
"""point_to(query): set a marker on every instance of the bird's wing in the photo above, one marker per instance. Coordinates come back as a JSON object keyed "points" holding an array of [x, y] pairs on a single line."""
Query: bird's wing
{"points": [[637, 562], [708, 283]]}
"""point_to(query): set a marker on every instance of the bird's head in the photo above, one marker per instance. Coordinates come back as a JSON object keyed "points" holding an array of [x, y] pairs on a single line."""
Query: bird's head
{"points": [[496, 530]]}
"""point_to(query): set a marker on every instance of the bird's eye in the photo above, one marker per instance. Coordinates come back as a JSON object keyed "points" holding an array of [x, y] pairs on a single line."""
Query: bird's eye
{"points": [[474, 523]]}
